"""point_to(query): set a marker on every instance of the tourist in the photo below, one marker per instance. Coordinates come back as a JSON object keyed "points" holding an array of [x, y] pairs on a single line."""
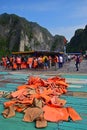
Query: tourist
{"points": [[77, 62]]}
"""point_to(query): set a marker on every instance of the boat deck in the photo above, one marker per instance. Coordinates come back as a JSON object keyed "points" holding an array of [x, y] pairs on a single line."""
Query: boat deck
{"points": [[76, 98]]}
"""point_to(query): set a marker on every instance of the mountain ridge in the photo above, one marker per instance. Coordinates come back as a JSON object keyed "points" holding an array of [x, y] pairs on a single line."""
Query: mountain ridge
{"points": [[19, 34], [78, 42]]}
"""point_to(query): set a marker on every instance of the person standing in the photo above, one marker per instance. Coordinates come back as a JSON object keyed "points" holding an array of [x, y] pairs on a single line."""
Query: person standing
{"points": [[77, 60], [30, 62], [45, 62], [60, 61], [18, 61]]}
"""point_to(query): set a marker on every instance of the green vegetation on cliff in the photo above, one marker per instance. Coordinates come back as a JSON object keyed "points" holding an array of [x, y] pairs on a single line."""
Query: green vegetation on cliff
{"points": [[78, 43], [18, 34]]}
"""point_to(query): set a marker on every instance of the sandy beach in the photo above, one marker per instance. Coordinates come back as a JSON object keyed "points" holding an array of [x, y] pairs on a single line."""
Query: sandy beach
{"points": [[68, 67]]}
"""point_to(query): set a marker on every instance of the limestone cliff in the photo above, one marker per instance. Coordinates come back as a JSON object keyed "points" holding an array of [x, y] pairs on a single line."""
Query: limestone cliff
{"points": [[18, 34]]}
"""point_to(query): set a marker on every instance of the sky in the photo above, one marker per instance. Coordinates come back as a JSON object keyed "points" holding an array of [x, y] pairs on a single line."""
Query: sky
{"points": [[61, 17]]}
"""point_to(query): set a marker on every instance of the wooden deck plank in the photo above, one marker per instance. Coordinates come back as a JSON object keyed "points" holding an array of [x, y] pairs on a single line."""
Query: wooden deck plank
{"points": [[76, 98]]}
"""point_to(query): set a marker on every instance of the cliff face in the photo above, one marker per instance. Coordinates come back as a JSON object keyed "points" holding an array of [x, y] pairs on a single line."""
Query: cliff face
{"points": [[18, 34], [78, 42]]}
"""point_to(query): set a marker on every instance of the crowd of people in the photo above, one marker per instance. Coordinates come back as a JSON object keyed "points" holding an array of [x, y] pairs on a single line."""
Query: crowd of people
{"points": [[38, 63], [32, 62]]}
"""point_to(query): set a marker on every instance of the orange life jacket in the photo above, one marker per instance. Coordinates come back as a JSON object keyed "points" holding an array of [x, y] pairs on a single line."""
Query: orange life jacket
{"points": [[30, 60], [19, 60]]}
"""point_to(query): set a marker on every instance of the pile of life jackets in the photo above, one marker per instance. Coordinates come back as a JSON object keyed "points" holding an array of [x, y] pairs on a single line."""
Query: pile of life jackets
{"points": [[39, 100]]}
